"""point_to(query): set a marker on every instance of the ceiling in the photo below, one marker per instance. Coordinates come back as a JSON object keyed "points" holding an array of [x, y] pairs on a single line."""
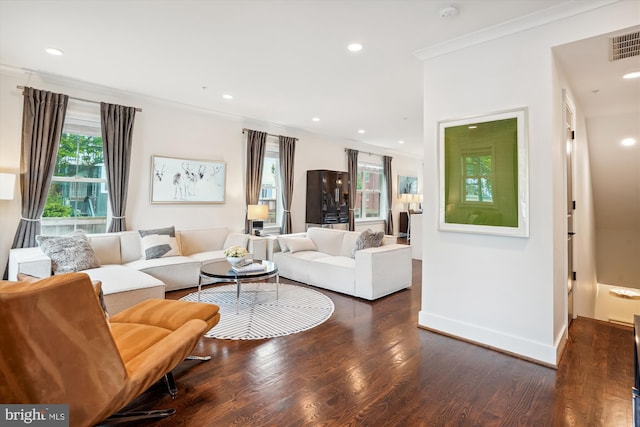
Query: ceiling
{"points": [[284, 62]]}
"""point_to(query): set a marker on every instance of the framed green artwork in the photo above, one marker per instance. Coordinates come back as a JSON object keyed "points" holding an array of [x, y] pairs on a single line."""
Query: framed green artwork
{"points": [[483, 174]]}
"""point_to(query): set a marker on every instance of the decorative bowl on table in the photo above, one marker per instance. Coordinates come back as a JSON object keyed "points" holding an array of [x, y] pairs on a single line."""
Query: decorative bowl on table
{"points": [[233, 260], [235, 254]]}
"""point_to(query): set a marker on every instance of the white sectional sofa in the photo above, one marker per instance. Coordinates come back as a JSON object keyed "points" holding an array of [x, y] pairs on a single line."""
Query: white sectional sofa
{"points": [[127, 279], [330, 262]]}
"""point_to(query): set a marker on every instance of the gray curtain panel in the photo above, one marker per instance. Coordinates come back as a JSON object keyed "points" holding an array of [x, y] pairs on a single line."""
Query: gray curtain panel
{"points": [[256, 145], [352, 168], [42, 120], [389, 183], [287, 151], [117, 134]]}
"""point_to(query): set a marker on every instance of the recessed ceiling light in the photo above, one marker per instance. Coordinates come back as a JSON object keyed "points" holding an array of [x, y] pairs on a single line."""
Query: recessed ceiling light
{"points": [[632, 75], [53, 51], [628, 142], [361, 131], [227, 96], [448, 12], [315, 119], [401, 142], [473, 127], [355, 47]]}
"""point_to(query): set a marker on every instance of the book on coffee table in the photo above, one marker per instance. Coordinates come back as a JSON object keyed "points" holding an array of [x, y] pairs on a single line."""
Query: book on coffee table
{"points": [[248, 267]]}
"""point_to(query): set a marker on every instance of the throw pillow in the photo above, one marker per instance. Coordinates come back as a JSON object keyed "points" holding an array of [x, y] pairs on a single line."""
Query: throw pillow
{"points": [[282, 242], [299, 244], [68, 253], [368, 239], [159, 243]]}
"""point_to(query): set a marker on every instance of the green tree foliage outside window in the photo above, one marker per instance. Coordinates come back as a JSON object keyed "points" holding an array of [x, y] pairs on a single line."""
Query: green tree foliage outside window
{"points": [[79, 157]]}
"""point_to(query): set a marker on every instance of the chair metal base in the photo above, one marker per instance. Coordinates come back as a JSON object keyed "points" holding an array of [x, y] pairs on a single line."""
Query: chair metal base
{"points": [[170, 381], [202, 358], [171, 384], [122, 417]]}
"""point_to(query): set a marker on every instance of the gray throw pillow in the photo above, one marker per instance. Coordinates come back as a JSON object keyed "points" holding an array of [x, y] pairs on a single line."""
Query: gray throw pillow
{"points": [[159, 242], [68, 253], [368, 239]]}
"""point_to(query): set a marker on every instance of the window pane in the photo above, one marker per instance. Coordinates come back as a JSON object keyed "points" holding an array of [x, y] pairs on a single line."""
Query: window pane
{"points": [[78, 197], [358, 208], [485, 164], [478, 178], [270, 190], [79, 155], [370, 186], [487, 190], [372, 205]]}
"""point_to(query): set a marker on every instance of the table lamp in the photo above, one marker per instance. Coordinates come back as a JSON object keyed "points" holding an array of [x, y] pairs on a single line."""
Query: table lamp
{"points": [[257, 214]]}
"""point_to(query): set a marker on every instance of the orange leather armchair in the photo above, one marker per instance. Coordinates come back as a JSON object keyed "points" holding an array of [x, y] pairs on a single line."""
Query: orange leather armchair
{"points": [[58, 347]]}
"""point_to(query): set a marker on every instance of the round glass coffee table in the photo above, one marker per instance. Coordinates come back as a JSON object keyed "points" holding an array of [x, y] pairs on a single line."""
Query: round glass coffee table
{"points": [[223, 271]]}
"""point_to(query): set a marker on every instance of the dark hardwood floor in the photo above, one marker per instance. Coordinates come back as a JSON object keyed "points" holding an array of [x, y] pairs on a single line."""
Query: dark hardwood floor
{"points": [[370, 365]]}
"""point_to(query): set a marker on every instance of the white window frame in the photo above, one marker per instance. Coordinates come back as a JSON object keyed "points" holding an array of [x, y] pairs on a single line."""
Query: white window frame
{"points": [[81, 118], [372, 164]]}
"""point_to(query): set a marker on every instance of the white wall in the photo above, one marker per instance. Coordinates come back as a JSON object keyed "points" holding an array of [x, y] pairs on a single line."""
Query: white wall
{"points": [[508, 293], [616, 175], [170, 129]]}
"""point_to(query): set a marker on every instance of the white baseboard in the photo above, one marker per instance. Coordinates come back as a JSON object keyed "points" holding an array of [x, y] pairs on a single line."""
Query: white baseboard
{"points": [[544, 354]]}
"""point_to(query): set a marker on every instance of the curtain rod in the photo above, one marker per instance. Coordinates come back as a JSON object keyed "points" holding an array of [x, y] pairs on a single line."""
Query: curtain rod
{"points": [[269, 134], [365, 152], [81, 99]]}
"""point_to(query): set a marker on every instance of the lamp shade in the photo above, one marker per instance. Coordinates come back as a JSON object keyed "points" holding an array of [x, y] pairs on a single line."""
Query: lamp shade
{"points": [[7, 186], [416, 198], [258, 212]]}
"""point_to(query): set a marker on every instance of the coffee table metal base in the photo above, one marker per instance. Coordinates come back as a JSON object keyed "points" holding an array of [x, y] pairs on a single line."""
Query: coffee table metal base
{"points": [[238, 279]]}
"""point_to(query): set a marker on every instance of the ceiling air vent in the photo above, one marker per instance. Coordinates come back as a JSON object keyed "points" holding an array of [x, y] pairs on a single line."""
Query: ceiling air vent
{"points": [[625, 46]]}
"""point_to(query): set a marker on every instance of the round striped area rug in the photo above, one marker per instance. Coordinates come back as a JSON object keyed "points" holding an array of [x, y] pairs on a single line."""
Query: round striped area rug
{"points": [[260, 315]]}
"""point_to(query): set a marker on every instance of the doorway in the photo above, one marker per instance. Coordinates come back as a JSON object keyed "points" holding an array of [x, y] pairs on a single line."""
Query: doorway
{"points": [[569, 127]]}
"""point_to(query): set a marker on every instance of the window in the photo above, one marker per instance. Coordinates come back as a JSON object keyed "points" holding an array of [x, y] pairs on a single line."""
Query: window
{"points": [[78, 197], [478, 177], [270, 190], [369, 191]]}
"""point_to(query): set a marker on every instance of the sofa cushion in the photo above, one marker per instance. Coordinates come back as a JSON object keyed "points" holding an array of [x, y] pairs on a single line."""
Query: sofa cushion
{"points": [[175, 272], [159, 243], [349, 243], [118, 278], [236, 239], [68, 253], [106, 247], [300, 244], [209, 256], [195, 241], [130, 248], [326, 240]]}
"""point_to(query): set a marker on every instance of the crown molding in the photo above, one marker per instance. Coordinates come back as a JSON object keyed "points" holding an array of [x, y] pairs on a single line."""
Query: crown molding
{"points": [[555, 13]]}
